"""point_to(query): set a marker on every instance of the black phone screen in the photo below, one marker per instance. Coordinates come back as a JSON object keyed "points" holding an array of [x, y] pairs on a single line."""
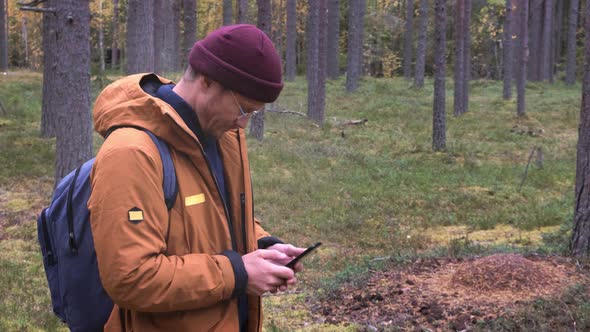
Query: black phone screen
{"points": [[292, 263]]}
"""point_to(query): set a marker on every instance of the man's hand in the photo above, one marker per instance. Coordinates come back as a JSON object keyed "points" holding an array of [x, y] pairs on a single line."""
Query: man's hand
{"points": [[265, 274], [291, 251]]}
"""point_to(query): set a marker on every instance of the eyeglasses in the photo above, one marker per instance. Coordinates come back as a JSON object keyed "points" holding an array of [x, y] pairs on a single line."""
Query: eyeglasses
{"points": [[243, 114]]}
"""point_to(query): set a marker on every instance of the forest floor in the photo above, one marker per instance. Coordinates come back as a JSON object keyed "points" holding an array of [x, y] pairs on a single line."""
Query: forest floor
{"points": [[414, 240]]}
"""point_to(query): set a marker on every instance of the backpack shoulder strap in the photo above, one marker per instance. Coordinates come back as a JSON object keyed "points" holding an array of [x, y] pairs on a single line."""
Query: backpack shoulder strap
{"points": [[170, 185]]}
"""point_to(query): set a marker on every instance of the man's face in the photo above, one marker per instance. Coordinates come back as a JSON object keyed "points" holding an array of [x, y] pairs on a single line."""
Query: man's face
{"points": [[224, 110]]}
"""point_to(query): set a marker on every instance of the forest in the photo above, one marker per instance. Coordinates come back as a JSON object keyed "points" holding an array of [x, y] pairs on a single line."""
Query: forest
{"points": [[438, 149]]}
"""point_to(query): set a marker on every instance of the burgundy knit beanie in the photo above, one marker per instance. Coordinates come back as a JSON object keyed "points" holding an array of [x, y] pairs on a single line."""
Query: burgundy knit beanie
{"points": [[241, 58]]}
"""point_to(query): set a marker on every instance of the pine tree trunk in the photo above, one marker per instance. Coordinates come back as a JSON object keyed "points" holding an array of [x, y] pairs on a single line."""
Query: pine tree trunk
{"points": [[333, 69], [49, 119], [439, 140], [354, 61], [546, 42], [159, 31], [25, 35], [523, 59], [3, 36], [557, 45], [100, 38], [291, 65], [242, 11], [115, 35], [228, 13], [570, 69], [580, 242], [421, 49], [264, 24], [507, 48], [408, 39], [316, 86], [72, 74], [536, 40], [140, 36], [190, 28], [467, 56], [458, 106]]}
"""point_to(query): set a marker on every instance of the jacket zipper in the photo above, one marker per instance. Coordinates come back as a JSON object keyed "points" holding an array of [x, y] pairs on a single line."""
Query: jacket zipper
{"points": [[48, 249], [243, 211], [225, 209]]}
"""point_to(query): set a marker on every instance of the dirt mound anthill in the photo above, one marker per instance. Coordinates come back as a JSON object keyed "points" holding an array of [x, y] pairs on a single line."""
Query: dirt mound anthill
{"points": [[505, 272]]}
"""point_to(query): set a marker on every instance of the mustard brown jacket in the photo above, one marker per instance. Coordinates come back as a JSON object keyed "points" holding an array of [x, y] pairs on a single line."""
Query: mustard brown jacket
{"points": [[168, 270]]}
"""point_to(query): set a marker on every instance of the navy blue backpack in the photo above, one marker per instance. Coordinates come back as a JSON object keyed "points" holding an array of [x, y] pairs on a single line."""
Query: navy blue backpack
{"points": [[69, 258]]}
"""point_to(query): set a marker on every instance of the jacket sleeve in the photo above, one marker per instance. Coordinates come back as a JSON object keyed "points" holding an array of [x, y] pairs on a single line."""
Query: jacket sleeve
{"points": [[129, 223], [264, 239]]}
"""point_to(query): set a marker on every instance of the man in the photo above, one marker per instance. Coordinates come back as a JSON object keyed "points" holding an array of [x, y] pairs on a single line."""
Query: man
{"points": [[203, 265]]}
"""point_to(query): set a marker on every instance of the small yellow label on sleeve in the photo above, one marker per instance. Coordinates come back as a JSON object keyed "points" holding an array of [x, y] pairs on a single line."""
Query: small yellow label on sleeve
{"points": [[194, 200], [135, 215]]}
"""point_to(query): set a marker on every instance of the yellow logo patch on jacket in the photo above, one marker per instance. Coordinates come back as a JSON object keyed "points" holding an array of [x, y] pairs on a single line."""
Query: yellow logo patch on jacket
{"points": [[135, 215], [194, 199]]}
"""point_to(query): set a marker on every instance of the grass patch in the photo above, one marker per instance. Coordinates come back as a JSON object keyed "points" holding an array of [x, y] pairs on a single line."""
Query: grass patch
{"points": [[366, 191]]}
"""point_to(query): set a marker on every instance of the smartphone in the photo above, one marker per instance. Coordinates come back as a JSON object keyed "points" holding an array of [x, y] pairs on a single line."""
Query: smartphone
{"points": [[292, 263]]}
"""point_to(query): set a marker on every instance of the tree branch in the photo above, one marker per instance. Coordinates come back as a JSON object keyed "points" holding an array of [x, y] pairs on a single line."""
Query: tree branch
{"points": [[40, 10], [31, 3]]}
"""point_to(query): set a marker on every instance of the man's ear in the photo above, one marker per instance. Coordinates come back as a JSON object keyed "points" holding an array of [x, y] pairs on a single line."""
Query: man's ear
{"points": [[207, 82]]}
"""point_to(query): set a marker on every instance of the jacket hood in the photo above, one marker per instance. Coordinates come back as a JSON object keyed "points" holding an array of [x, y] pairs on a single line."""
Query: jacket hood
{"points": [[131, 102]]}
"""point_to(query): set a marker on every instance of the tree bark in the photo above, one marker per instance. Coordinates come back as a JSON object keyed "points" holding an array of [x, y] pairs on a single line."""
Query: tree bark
{"points": [[158, 39], [100, 38], [3, 36], [228, 13], [570, 69], [458, 106], [115, 35], [546, 50], [25, 35], [354, 59], [408, 39], [242, 11], [333, 69], [264, 24], [140, 36], [316, 95], [580, 242], [167, 20], [421, 49], [536, 41], [48, 109], [467, 56], [72, 74], [439, 140], [557, 45], [507, 54], [291, 65], [190, 28], [523, 59]]}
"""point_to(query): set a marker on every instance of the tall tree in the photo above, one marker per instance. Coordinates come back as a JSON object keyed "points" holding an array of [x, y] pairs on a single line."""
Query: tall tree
{"points": [[72, 73], [100, 37], [140, 36], [291, 40], [242, 11], [264, 24], [522, 57], [316, 93], [507, 51], [49, 118], [570, 68], [546, 49], [333, 69], [189, 10], [25, 44], [467, 56], [421, 48], [439, 136], [536, 41], [356, 19], [459, 107], [166, 35], [580, 242], [115, 35], [228, 13], [408, 39], [557, 44], [3, 36]]}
